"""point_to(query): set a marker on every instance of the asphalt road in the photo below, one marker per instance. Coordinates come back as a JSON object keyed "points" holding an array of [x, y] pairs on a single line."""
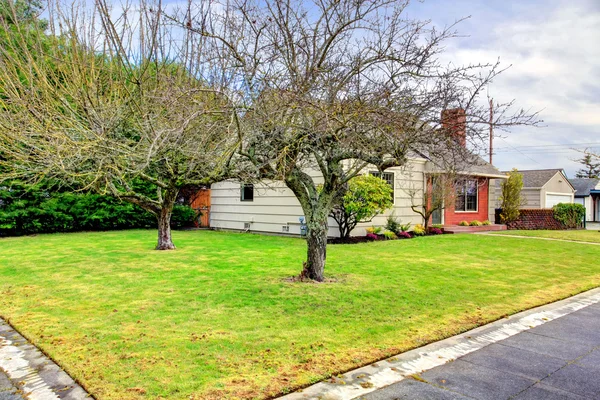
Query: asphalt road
{"points": [[557, 360]]}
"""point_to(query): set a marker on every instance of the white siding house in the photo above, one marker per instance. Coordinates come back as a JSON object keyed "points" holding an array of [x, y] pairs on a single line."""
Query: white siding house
{"points": [[274, 208]]}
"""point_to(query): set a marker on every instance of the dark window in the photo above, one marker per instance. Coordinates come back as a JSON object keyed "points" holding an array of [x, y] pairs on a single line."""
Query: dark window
{"points": [[466, 195], [247, 192], [386, 176]]}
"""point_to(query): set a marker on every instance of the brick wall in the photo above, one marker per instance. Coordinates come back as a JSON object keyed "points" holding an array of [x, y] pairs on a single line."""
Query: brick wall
{"points": [[533, 219], [452, 217]]}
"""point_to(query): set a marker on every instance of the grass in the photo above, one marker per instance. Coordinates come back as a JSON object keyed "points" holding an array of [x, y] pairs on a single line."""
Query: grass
{"points": [[217, 319], [577, 236]]}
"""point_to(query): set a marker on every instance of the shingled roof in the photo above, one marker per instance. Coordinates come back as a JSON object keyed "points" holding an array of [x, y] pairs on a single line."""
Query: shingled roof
{"points": [[583, 186], [536, 178]]}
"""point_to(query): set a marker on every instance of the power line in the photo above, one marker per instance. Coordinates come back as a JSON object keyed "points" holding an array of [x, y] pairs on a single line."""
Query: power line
{"points": [[535, 161], [594, 144]]}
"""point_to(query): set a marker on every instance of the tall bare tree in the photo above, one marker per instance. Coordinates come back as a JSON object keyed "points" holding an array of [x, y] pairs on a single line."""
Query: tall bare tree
{"points": [[334, 86], [114, 99]]}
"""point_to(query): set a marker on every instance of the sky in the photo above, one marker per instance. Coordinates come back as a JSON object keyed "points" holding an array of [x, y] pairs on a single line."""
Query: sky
{"points": [[554, 49]]}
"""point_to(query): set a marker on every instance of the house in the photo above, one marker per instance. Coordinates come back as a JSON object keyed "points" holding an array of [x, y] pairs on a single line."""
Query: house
{"points": [[542, 188], [587, 193], [271, 207]]}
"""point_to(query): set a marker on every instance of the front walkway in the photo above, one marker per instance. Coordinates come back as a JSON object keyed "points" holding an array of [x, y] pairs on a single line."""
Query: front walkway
{"points": [[539, 238]]}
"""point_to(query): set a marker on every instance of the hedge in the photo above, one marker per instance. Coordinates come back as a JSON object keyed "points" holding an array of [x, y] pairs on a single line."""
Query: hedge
{"points": [[26, 210]]}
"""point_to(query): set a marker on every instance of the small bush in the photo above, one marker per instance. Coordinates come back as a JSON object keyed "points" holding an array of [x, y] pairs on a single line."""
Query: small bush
{"points": [[486, 223], [435, 231], [419, 230], [570, 215], [392, 224], [439, 226], [372, 236], [463, 223], [390, 235], [475, 223], [404, 235], [405, 227]]}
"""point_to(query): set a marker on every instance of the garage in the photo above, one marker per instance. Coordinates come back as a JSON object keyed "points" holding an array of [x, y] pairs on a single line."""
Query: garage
{"points": [[553, 199]]}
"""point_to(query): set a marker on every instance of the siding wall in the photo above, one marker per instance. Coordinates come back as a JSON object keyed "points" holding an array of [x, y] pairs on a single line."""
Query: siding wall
{"points": [[532, 198], [275, 206], [558, 184]]}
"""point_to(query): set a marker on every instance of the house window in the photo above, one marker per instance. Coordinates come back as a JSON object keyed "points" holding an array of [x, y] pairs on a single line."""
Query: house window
{"points": [[386, 176], [466, 195], [247, 191]]}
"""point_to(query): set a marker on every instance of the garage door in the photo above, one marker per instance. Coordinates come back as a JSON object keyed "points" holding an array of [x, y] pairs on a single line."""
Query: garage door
{"points": [[554, 199]]}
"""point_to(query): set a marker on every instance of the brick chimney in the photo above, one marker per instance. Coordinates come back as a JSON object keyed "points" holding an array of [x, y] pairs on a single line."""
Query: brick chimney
{"points": [[454, 123]]}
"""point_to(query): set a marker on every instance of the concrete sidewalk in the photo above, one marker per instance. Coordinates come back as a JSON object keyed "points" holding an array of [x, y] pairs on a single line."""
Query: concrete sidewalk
{"points": [[26, 373], [7, 390], [557, 360]]}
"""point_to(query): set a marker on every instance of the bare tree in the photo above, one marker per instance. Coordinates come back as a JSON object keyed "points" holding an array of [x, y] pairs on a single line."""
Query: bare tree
{"points": [[115, 99], [438, 193], [335, 86]]}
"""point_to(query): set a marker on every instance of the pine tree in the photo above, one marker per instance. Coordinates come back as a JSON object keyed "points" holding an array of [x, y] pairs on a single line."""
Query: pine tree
{"points": [[591, 166]]}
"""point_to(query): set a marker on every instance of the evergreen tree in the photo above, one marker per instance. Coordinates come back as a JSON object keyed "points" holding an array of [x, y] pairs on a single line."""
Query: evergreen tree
{"points": [[591, 166]]}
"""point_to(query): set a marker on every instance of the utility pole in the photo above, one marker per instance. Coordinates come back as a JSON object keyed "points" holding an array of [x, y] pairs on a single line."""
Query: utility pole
{"points": [[491, 129]]}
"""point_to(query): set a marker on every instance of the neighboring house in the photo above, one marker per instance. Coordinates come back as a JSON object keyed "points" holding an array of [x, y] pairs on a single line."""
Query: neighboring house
{"points": [[272, 207], [587, 193], [542, 188]]}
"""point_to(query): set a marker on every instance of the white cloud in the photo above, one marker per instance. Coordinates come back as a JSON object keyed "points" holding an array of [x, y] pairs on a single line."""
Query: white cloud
{"points": [[555, 56]]}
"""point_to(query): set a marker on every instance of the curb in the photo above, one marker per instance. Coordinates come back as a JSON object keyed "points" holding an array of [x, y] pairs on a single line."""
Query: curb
{"points": [[367, 379], [31, 372]]}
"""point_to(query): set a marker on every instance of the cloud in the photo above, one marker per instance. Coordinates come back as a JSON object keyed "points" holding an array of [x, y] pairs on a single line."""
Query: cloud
{"points": [[555, 57]]}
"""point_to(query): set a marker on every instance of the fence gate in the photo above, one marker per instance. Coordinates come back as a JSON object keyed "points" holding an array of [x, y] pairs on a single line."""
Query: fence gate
{"points": [[201, 203]]}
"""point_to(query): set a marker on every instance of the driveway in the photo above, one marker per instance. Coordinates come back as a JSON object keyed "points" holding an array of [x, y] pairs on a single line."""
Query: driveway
{"points": [[557, 360]]}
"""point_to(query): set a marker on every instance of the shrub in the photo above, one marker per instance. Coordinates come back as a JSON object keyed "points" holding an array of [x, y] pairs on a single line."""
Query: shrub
{"points": [[405, 227], [570, 215], [404, 235], [419, 230], [475, 223], [42, 208], [390, 235], [486, 222], [435, 231], [372, 236], [463, 223], [511, 197], [393, 224], [367, 196], [439, 226]]}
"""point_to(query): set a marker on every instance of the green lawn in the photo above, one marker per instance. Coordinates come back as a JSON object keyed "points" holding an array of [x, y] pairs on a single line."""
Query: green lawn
{"points": [[217, 319], [578, 236]]}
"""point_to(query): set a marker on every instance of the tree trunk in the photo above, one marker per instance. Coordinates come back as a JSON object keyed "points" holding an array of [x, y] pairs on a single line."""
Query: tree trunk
{"points": [[164, 230], [164, 221], [316, 240]]}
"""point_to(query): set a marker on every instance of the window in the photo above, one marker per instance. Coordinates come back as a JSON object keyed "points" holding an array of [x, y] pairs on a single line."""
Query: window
{"points": [[386, 176], [247, 192], [466, 195]]}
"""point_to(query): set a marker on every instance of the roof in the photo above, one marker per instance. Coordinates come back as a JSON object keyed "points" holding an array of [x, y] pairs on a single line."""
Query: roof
{"points": [[584, 186], [536, 178], [461, 161]]}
